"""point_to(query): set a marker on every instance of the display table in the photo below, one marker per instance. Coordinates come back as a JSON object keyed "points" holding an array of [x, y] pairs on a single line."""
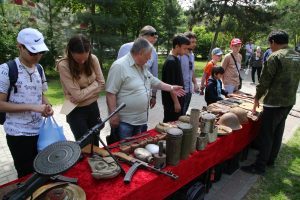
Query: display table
{"points": [[150, 185]]}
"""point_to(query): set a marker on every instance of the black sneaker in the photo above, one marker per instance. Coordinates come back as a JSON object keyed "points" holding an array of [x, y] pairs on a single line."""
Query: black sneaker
{"points": [[252, 169]]}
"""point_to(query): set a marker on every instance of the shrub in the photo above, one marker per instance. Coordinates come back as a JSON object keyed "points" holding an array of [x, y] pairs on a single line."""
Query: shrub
{"points": [[204, 39]]}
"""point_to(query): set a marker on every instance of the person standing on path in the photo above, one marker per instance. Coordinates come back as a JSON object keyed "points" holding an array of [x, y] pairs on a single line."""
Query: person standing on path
{"points": [[278, 83], [150, 34], [232, 65], [216, 55], [266, 55], [129, 82], [27, 104], [249, 47], [256, 64], [172, 74], [82, 81], [188, 71]]}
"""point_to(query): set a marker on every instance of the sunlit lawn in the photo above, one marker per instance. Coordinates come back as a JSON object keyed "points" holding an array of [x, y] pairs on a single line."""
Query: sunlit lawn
{"points": [[55, 93], [282, 182]]}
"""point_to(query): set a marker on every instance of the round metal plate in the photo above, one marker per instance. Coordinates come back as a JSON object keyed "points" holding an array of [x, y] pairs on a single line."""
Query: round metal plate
{"points": [[57, 158], [68, 191]]}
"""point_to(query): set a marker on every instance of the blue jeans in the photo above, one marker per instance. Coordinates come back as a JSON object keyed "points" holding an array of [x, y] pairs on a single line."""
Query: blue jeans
{"points": [[128, 130]]}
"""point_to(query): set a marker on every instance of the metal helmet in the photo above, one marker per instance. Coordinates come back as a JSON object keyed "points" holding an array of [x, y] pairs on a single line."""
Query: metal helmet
{"points": [[184, 118], [231, 120], [240, 113]]}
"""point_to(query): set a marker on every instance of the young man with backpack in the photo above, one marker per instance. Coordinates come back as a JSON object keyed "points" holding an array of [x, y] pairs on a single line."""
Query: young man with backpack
{"points": [[22, 87]]}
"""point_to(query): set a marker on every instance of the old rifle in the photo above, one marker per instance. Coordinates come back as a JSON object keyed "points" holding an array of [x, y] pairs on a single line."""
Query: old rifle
{"points": [[136, 163]]}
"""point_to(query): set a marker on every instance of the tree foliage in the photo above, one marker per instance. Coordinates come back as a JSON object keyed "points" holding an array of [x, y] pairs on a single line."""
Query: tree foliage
{"points": [[104, 21], [12, 20], [7, 41], [289, 20], [204, 39], [108, 23], [56, 23], [170, 22], [242, 18]]}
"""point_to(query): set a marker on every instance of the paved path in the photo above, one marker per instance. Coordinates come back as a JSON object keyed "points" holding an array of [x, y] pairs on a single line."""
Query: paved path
{"points": [[230, 187]]}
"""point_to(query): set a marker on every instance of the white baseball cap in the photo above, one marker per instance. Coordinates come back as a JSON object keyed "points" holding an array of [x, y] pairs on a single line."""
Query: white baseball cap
{"points": [[32, 39]]}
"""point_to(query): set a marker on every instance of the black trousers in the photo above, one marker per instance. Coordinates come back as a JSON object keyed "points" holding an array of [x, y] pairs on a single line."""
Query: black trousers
{"points": [[170, 116], [187, 100], [81, 119], [23, 150], [270, 136], [254, 69]]}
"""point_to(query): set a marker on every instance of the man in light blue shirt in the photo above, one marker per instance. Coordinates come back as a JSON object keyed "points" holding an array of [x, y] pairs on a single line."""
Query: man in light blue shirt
{"points": [[150, 34], [188, 68]]}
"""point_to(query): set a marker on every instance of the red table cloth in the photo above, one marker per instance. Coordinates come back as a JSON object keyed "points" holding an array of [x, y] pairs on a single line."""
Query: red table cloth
{"points": [[150, 185]]}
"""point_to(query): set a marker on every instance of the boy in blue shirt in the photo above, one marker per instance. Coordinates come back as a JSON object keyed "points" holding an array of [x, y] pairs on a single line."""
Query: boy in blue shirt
{"points": [[213, 90]]}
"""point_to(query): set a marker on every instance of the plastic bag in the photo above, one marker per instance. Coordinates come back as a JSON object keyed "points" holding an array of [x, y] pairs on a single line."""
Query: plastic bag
{"points": [[49, 133]]}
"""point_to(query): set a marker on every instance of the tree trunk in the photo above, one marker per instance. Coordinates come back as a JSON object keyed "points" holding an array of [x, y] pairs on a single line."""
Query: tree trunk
{"points": [[217, 30], [93, 26], [216, 35], [50, 33], [2, 8]]}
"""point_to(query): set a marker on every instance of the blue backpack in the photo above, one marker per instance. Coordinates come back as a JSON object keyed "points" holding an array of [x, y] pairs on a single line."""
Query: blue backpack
{"points": [[13, 77]]}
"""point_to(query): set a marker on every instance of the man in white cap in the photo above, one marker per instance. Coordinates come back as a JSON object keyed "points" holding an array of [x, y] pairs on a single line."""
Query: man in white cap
{"points": [[24, 102]]}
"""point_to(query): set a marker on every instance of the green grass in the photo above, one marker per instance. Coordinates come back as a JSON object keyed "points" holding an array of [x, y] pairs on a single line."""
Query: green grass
{"points": [[200, 64], [282, 182], [55, 93]]}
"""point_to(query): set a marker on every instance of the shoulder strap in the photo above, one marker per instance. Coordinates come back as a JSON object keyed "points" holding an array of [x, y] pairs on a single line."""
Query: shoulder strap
{"points": [[40, 70], [13, 77], [236, 65]]}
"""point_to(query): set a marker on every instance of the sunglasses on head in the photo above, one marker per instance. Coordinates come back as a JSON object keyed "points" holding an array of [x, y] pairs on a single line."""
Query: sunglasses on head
{"points": [[152, 34], [33, 54]]}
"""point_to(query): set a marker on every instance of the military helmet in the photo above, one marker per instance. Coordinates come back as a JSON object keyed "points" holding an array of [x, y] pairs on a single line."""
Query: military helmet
{"points": [[184, 118], [231, 120], [240, 113]]}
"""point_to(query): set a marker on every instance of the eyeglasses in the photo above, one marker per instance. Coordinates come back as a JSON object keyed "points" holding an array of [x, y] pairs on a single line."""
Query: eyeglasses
{"points": [[33, 54]]}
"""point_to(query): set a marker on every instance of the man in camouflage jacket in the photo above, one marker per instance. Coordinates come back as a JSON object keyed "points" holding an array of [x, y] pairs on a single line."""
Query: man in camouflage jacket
{"points": [[278, 84]]}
